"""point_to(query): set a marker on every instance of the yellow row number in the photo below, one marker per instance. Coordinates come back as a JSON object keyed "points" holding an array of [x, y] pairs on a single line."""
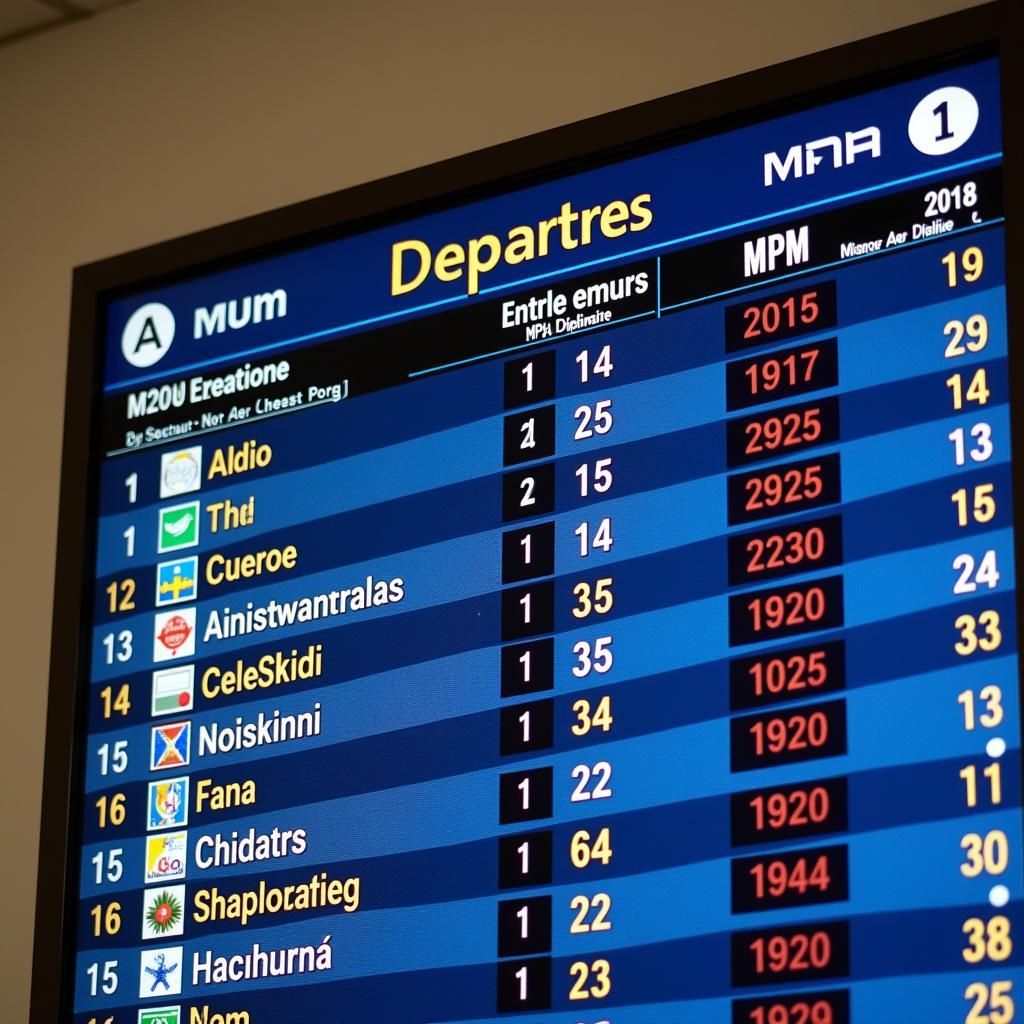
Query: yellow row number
{"points": [[111, 810], [981, 633], [965, 268], [597, 599], [977, 390], [591, 981], [990, 1004], [987, 940], [106, 921]]}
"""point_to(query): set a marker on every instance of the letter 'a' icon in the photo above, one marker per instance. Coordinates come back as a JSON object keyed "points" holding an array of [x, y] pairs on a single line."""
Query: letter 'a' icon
{"points": [[148, 334]]}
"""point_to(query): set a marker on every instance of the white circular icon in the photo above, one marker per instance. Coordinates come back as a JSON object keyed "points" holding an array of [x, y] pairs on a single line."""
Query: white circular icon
{"points": [[943, 121], [148, 334], [999, 895]]}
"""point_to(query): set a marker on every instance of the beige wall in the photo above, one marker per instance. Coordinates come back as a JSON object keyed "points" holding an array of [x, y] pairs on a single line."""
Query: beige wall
{"points": [[171, 115]]}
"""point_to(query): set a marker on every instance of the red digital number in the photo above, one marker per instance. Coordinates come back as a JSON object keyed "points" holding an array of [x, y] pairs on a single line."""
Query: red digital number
{"points": [[789, 430], [796, 731], [787, 487], [785, 954], [775, 878], [795, 608], [769, 374], [818, 1012], [795, 809], [771, 316], [788, 674], [785, 549]]}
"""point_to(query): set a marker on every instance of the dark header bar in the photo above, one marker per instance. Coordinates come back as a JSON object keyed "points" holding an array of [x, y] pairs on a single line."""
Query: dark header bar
{"points": [[335, 370]]}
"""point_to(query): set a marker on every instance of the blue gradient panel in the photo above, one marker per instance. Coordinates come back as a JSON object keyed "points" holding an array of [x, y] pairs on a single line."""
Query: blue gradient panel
{"points": [[628, 639]]}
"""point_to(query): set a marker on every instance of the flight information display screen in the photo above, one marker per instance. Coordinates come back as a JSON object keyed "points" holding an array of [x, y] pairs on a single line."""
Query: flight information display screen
{"points": [[592, 602]]}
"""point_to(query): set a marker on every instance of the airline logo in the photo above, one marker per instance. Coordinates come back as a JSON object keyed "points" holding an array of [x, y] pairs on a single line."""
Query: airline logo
{"points": [[177, 581], [161, 1015], [166, 857], [174, 635], [170, 746], [160, 972], [181, 472], [173, 690], [167, 804], [163, 912], [148, 334], [179, 527]]}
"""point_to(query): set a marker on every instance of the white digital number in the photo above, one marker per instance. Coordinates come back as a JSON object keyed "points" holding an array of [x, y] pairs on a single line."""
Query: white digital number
{"points": [[591, 420], [597, 478], [602, 537], [119, 648], [108, 865], [107, 981], [113, 757], [592, 782], [980, 451], [975, 574], [596, 657], [602, 366]]}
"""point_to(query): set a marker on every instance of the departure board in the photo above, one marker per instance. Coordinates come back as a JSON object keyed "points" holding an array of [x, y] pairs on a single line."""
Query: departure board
{"points": [[589, 602]]}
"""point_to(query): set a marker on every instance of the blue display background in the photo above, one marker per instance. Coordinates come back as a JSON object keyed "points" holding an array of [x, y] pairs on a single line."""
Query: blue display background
{"points": [[401, 785], [702, 188]]}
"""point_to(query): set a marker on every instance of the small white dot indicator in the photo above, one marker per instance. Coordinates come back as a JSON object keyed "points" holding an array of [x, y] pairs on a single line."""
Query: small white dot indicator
{"points": [[999, 896], [995, 747]]}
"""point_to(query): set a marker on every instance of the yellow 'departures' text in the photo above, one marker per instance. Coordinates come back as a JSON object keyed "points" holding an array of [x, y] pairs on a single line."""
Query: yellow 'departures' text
{"points": [[413, 261]]}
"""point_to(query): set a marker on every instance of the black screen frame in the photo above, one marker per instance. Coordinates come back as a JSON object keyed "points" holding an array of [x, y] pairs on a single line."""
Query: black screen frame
{"points": [[994, 28]]}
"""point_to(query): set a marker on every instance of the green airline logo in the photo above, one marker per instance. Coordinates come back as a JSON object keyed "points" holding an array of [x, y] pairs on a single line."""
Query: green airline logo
{"points": [[179, 527], [161, 1015]]}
